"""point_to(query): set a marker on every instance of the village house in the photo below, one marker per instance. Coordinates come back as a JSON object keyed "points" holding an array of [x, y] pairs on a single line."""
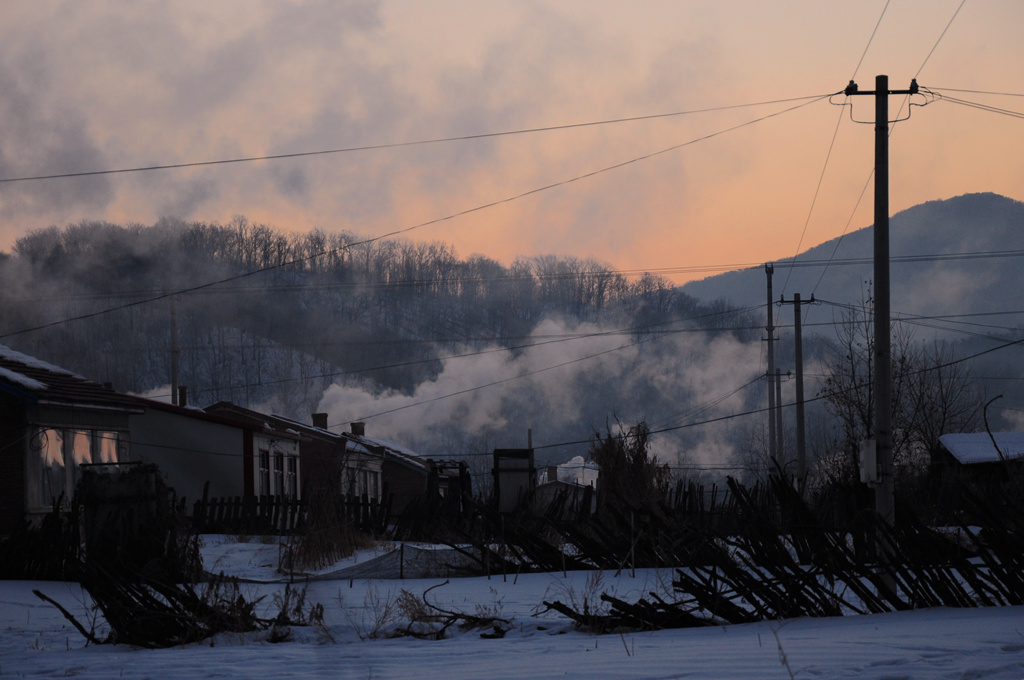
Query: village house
{"points": [[211, 454], [329, 461], [52, 424], [407, 476]]}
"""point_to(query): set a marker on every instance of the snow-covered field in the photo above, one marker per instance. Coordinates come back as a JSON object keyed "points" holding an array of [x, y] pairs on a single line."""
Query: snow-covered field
{"points": [[940, 643]]}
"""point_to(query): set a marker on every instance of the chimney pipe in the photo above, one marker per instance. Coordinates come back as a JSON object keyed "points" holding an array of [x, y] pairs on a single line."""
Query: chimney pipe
{"points": [[359, 429], [552, 473], [182, 395], [320, 420]]}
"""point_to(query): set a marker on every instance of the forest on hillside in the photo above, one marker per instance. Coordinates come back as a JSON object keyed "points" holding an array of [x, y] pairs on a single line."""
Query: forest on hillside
{"points": [[295, 323], [457, 356]]}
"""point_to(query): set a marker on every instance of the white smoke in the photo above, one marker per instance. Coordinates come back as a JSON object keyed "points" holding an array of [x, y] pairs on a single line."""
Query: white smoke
{"points": [[569, 389]]}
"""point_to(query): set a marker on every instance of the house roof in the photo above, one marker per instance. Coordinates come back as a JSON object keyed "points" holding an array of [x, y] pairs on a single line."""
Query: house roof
{"points": [[33, 381], [194, 412], [976, 447], [390, 450], [251, 420]]}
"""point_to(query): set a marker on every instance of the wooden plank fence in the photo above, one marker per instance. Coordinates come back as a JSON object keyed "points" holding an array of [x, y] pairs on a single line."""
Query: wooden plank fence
{"points": [[247, 515], [282, 515]]}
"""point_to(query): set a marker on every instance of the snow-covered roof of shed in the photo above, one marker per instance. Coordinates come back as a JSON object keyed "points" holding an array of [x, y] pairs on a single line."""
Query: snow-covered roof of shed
{"points": [[976, 447]]}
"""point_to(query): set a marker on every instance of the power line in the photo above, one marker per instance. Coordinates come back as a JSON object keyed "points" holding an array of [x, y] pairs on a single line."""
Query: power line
{"points": [[870, 40], [505, 380], [437, 220], [396, 145], [645, 329], [997, 94], [150, 295], [980, 106], [817, 191], [831, 146], [941, 36]]}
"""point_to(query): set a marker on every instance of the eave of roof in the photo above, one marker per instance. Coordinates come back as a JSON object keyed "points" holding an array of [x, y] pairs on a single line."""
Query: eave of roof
{"points": [[976, 447]]}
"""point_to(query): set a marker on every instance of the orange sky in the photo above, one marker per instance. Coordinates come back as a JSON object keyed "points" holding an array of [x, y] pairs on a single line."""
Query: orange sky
{"points": [[106, 85]]}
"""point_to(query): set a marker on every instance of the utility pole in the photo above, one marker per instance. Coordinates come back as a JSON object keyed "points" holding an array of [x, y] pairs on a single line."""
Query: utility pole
{"points": [[174, 350], [885, 502], [778, 415], [798, 359], [772, 450]]}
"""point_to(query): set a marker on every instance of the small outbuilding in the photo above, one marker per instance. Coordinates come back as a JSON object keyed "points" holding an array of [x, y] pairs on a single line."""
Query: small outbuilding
{"points": [[980, 453]]}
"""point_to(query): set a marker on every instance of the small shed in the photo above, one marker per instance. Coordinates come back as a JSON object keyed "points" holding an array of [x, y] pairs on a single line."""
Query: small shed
{"points": [[975, 456], [515, 478]]}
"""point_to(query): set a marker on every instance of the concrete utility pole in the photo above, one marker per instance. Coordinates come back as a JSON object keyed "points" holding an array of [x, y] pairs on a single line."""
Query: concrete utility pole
{"points": [[772, 450], [778, 416], [885, 502], [798, 359], [174, 350]]}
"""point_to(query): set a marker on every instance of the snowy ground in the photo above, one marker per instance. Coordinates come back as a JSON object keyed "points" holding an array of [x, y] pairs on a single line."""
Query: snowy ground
{"points": [[942, 643]]}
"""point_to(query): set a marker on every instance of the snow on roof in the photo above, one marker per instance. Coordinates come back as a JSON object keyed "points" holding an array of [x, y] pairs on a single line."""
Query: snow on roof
{"points": [[356, 447], [396, 448], [8, 354], [21, 380], [976, 447]]}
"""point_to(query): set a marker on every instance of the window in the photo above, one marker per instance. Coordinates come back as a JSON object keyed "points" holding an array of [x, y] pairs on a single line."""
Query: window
{"points": [[278, 486], [53, 476], [292, 477], [264, 473], [374, 485], [57, 456], [107, 448], [81, 454]]}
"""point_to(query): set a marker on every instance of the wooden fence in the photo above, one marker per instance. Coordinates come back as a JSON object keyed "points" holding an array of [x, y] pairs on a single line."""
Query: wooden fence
{"points": [[282, 515]]}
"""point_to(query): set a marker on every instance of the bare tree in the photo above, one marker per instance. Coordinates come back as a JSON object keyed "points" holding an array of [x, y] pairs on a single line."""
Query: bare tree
{"points": [[933, 393]]}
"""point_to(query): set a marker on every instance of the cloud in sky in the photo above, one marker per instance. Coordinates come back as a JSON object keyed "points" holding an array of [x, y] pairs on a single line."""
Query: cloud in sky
{"points": [[111, 85]]}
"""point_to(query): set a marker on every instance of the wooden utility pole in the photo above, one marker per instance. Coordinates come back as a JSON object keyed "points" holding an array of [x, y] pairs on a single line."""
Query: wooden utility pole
{"points": [[885, 502]]}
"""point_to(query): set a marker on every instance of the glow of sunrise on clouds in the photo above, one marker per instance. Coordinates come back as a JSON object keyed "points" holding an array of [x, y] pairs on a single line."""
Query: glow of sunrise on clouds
{"points": [[108, 85]]}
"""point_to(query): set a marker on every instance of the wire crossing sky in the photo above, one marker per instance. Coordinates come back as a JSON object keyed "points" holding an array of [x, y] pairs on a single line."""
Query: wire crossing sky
{"points": [[109, 86]]}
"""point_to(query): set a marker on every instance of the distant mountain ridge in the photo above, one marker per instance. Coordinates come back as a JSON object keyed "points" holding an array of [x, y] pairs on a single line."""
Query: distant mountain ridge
{"points": [[978, 224]]}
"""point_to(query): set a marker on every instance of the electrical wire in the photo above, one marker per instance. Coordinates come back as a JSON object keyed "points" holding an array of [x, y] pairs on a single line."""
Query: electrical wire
{"points": [[437, 220], [941, 36], [902, 104], [981, 107], [412, 283], [832, 144], [397, 145], [870, 40]]}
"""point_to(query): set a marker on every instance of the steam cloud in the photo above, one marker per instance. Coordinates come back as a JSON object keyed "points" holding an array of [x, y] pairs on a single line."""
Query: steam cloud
{"points": [[492, 399]]}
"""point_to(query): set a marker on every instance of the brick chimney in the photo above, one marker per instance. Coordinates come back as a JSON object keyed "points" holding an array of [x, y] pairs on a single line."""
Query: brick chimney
{"points": [[359, 429], [182, 395], [320, 420]]}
